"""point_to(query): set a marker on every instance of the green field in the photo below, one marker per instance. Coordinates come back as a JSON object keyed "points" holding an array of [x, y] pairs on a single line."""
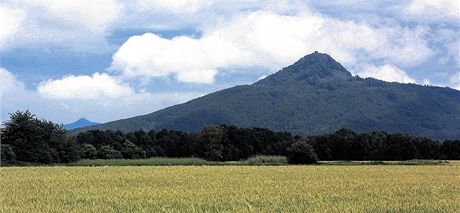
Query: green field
{"points": [[164, 161], [159, 161], [317, 188]]}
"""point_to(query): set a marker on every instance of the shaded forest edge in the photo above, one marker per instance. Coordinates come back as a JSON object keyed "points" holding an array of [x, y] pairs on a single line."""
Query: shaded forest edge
{"points": [[27, 139]]}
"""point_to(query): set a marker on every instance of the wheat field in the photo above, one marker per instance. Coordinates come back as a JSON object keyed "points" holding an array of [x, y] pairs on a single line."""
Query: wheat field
{"points": [[320, 188]]}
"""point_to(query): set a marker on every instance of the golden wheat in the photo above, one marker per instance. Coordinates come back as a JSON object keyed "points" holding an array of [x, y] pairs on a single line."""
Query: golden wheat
{"points": [[429, 188]]}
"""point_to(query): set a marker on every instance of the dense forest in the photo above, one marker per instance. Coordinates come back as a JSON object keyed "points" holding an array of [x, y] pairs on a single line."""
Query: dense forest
{"points": [[26, 138]]}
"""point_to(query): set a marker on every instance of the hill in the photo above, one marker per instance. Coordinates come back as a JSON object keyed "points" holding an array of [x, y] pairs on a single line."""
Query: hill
{"points": [[312, 96], [82, 122]]}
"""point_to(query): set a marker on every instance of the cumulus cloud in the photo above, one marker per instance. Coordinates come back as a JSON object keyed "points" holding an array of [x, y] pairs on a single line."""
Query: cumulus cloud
{"points": [[152, 56], [386, 72], [434, 9], [448, 45], [104, 97], [8, 82], [84, 87], [455, 81], [71, 23], [98, 97], [267, 39], [108, 109], [95, 15], [10, 21], [176, 6], [12, 91]]}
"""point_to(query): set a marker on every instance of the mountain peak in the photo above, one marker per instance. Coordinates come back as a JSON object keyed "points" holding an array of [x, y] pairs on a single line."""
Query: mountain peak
{"points": [[311, 69], [316, 58], [82, 122], [319, 65]]}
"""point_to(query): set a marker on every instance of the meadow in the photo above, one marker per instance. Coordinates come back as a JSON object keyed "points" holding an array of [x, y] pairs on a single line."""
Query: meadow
{"points": [[314, 188]]}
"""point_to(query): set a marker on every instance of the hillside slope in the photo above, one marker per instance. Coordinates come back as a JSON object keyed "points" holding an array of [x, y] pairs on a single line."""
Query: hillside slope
{"points": [[314, 95]]}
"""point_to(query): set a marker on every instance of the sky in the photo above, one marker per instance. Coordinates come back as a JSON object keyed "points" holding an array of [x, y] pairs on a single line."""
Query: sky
{"points": [[110, 59]]}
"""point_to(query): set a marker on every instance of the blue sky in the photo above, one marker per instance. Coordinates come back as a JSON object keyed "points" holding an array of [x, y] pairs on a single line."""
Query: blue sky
{"points": [[111, 59]]}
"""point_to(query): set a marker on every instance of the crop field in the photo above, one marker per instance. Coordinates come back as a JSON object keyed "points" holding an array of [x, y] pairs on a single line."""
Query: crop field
{"points": [[318, 188]]}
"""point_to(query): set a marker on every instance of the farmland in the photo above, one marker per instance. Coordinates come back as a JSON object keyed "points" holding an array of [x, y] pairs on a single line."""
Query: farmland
{"points": [[358, 188]]}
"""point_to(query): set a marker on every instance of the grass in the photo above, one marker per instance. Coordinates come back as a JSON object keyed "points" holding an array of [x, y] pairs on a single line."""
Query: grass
{"points": [[318, 188], [163, 161], [266, 160], [158, 161], [407, 162], [256, 160]]}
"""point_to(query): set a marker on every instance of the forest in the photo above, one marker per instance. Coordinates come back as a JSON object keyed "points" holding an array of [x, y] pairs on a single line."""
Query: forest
{"points": [[26, 138]]}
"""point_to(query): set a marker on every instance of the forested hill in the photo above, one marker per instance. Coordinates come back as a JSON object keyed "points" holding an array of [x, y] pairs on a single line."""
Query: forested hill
{"points": [[314, 95]]}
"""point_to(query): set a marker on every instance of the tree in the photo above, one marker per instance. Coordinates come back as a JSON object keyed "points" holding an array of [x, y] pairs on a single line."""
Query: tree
{"points": [[88, 151], [7, 153], [427, 148], [69, 151], [343, 141], [301, 153], [376, 149], [173, 143], [108, 152], [37, 140], [400, 147], [21, 132], [211, 139], [451, 150], [131, 151], [323, 146]]}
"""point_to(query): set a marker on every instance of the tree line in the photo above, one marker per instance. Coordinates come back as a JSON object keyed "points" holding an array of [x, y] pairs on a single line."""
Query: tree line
{"points": [[26, 138]]}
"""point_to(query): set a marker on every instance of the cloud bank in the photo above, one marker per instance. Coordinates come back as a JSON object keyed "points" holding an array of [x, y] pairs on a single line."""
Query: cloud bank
{"points": [[77, 24], [386, 72], [455, 81], [270, 40], [176, 6], [10, 21], [100, 97], [434, 9]]}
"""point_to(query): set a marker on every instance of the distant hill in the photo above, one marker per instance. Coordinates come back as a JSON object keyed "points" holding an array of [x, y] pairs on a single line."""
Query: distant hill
{"points": [[82, 122], [314, 95]]}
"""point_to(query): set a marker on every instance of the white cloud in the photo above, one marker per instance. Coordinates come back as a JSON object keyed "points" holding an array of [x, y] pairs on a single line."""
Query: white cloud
{"points": [[269, 40], [12, 91], [448, 45], [455, 81], [175, 6], [152, 56], [8, 82], [386, 72], [426, 82], [434, 9], [79, 24], [10, 21], [95, 15], [197, 76], [66, 100], [261, 77], [108, 109], [84, 87]]}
